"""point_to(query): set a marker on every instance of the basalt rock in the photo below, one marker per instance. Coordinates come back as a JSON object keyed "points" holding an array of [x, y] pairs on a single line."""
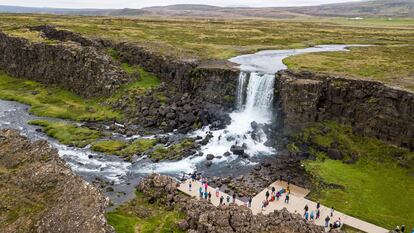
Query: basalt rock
{"points": [[53, 33], [214, 81], [84, 70], [40, 193], [372, 108]]}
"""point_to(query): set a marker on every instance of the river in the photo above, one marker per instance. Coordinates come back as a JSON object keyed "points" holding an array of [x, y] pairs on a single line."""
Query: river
{"points": [[254, 103]]}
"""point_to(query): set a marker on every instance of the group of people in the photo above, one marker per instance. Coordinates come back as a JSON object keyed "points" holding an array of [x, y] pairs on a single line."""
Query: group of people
{"points": [[273, 195], [402, 229], [316, 214]]}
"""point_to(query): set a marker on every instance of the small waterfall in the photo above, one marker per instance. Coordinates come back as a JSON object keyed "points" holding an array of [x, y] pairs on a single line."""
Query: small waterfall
{"points": [[260, 92], [240, 91]]}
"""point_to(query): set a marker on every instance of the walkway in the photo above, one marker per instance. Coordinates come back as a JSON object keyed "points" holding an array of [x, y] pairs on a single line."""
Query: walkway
{"points": [[296, 204]]}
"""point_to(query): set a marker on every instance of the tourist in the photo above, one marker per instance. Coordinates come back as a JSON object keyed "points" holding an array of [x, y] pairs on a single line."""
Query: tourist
{"points": [[327, 219], [312, 215], [306, 215], [412, 231], [206, 186], [332, 211], [281, 178], [221, 200], [306, 208], [318, 205], [318, 213], [250, 201], [263, 204], [200, 190], [397, 229], [228, 199], [205, 195], [277, 196], [288, 189], [267, 194], [289, 179], [234, 197], [189, 186], [209, 196], [287, 199], [403, 228], [217, 192], [273, 190]]}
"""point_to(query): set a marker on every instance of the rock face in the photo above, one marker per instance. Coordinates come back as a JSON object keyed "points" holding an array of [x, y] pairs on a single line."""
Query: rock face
{"points": [[82, 69], [39, 193], [372, 108], [52, 33], [213, 81], [203, 217]]}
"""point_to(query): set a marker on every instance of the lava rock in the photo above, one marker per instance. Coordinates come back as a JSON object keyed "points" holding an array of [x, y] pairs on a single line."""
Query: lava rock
{"points": [[210, 157]]}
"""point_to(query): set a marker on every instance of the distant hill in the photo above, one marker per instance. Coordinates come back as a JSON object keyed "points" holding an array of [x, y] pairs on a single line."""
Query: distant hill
{"points": [[372, 8]]}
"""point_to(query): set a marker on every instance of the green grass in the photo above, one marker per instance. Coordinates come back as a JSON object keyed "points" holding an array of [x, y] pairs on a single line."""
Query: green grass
{"points": [[139, 146], [140, 216], [392, 65], [146, 79], [68, 134], [53, 101], [109, 146], [377, 188]]}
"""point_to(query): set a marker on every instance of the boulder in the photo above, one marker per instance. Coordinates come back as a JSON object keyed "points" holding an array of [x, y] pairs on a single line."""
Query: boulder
{"points": [[237, 150], [210, 157]]}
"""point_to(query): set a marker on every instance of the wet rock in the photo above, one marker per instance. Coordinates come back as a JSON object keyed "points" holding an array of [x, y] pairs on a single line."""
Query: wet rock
{"points": [[208, 163], [254, 125], [245, 156], [237, 150], [226, 154], [210, 157]]}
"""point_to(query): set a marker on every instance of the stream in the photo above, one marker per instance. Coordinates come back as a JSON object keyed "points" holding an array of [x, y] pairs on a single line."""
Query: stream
{"points": [[254, 103]]}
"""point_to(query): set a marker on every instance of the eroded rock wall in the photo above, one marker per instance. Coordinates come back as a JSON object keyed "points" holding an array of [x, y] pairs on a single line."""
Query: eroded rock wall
{"points": [[214, 81], [40, 193], [372, 108], [81, 69]]}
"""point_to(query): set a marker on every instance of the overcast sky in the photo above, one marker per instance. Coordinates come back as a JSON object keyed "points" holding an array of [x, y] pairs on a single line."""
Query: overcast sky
{"points": [[146, 3]]}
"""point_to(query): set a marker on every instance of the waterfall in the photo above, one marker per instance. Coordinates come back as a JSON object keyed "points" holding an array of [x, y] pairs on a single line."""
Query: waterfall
{"points": [[260, 92], [240, 90]]}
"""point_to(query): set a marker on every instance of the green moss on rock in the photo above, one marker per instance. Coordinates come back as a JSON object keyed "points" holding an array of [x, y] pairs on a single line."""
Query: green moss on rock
{"points": [[109, 146], [68, 134]]}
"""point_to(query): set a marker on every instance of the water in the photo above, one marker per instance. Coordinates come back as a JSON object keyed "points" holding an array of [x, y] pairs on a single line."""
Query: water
{"points": [[254, 101]]}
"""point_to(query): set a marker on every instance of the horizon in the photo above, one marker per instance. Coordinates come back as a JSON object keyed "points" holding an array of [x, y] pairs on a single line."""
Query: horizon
{"points": [[129, 4]]}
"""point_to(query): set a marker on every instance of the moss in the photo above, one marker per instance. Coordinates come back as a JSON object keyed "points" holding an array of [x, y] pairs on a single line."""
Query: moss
{"points": [[174, 152], [370, 184], [229, 98], [68, 134], [109, 146], [54, 102], [139, 146], [139, 215], [146, 79]]}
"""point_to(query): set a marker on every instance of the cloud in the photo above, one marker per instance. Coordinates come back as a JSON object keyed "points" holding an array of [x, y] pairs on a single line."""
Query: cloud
{"points": [[146, 3]]}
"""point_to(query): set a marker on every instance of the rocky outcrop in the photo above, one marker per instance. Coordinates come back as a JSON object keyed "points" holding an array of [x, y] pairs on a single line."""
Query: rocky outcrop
{"points": [[39, 193], [169, 110], [203, 217], [214, 81], [52, 33], [371, 108], [81, 69]]}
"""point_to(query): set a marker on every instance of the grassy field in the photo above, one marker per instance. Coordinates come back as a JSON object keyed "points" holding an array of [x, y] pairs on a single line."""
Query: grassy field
{"points": [[390, 61], [377, 188], [392, 65], [140, 216]]}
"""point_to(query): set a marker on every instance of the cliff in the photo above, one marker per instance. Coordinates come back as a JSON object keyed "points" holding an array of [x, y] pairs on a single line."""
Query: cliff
{"points": [[82, 69], [371, 108], [39, 193], [214, 81]]}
